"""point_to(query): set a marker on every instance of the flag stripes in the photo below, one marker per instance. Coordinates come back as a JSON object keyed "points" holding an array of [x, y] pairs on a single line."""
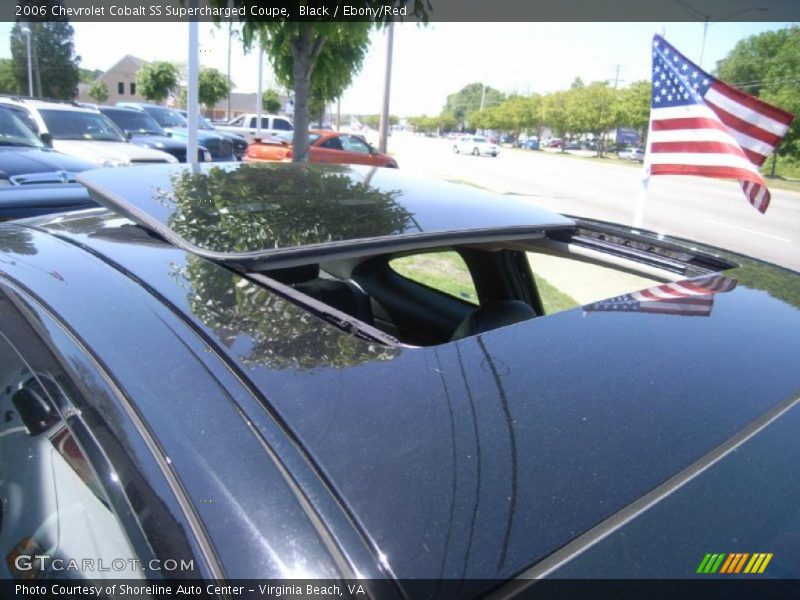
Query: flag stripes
{"points": [[702, 126]]}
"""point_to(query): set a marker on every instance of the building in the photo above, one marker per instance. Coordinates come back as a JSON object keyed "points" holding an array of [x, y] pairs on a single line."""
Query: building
{"points": [[120, 80]]}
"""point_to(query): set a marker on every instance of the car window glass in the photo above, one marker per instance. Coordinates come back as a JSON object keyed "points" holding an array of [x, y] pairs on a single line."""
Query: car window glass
{"points": [[352, 144], [78, 125], [281, 124], [565, 283], [445, 272], [254, 122], [13, 131], [134, 121], [334, 143], [24, 116], [53, 502]]}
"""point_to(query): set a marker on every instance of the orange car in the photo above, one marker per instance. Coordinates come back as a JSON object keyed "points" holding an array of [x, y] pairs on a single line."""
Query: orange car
{"points": [[324, 147]]}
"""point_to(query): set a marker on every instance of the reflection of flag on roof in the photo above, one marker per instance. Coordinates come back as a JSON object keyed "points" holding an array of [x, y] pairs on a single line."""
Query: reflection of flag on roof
{"points": [[690, 298], [702, 126]]}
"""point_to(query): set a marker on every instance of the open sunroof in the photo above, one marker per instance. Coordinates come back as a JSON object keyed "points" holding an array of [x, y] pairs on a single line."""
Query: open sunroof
{"points": [[276, 215]]}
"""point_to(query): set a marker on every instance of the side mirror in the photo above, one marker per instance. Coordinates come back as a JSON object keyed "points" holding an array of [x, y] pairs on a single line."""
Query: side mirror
{"points": [[35, 410], [129, 135], [47, 139], [169, 133]]}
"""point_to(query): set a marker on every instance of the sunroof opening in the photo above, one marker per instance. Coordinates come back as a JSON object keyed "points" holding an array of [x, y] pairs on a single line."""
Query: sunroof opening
{"points": [[433, 295]]}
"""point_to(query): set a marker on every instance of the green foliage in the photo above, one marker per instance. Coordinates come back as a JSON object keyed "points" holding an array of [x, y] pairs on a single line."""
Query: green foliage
{"points": [[98, 92], [55, 66], [300, 60], [212, 86], [156, 80], [425, 124], [8, 83], [555, 113], [467, 101], [592, 109], [271, 102], [88, 75], [633, 106], [767, 65]]}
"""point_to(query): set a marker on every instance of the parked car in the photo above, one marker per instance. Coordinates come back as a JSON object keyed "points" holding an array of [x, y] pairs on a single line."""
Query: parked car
{"points": [[553, 143], [238, 142], [173, 122], [324, 147], [247, 126], [142, 129], [531, 144], [35, 179], [246, 370], [636, 154], [26, 160], [85, 133], [476, 145]]}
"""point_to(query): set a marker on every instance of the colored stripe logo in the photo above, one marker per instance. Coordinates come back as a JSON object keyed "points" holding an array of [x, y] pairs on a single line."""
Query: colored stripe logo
{"points": [[734, 562]]}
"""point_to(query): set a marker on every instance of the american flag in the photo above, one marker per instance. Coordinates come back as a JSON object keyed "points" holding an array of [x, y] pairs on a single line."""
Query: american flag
{"points": [[702, 126], [689, 298]]}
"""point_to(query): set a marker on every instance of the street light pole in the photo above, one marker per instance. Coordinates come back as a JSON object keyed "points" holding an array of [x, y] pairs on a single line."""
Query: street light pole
{"points": [[26, 30], [384, 123]]}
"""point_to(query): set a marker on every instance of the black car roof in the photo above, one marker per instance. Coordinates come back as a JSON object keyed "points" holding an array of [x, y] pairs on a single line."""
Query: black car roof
{"points": [[282, 215], [477, 458]]}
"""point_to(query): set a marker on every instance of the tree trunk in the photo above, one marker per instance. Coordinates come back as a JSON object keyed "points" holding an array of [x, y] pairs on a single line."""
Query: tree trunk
{"points": [[305, 49]]}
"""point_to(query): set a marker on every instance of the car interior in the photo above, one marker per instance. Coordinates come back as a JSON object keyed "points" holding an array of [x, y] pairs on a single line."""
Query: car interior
{"points": [[374, 291]]}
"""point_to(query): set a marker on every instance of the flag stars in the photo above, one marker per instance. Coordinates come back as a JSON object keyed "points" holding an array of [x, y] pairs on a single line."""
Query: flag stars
{"points": [[694, 74], [684, 67]]}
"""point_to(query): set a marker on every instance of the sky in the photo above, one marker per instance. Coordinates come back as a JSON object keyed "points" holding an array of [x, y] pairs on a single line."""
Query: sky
{"points": [[430, 62]]}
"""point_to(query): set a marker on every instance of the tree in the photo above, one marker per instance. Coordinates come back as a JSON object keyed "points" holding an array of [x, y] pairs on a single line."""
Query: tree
{"points": [[294, 50], [54, 63], [592, 110], [766, 65], [98, 92], [633, 107], [468, 100], [212, 86], [156, 80], [88, 75], [8, 83], [271, 101], [555, 114]]}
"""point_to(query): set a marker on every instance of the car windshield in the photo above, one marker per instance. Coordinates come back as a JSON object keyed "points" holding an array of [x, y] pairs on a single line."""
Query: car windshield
{"points": [[166, 117], [79, 125], [14, 133], [134, 121], [202, 122]]}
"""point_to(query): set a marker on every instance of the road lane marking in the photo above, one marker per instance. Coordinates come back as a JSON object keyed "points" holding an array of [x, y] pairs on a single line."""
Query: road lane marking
{"points": [[753, 231]]}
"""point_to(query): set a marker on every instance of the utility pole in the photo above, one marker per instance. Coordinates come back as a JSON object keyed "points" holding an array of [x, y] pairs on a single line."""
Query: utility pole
{"points": [[25, 29], [616, 75], [191, 91], [230, 35], [384, 125]]}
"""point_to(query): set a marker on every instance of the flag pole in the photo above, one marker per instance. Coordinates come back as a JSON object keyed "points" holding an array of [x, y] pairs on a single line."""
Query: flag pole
{"points": [[638, 216]]}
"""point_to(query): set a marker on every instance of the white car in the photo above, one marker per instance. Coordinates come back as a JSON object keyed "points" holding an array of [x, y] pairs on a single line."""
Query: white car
{"points": [[88, 134], [476, 145], [247, 126], [632, 154]]}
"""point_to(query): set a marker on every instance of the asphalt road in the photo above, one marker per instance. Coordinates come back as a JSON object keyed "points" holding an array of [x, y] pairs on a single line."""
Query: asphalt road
{"points": [[706, 210]]}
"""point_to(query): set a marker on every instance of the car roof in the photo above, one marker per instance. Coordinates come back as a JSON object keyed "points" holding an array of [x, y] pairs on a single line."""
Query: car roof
{"points": [[262, 215], [42, 104]]}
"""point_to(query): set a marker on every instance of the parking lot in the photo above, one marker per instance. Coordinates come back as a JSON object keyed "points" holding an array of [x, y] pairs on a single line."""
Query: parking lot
{"points": [[702, 209]]}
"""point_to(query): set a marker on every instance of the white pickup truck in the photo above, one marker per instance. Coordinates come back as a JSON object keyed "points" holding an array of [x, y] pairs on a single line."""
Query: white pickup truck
{"points": [[246, 125]]}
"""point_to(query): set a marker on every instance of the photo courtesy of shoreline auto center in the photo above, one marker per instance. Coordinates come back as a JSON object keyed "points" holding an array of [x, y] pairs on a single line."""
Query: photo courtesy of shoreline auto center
{"points": [[402, 299]]}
